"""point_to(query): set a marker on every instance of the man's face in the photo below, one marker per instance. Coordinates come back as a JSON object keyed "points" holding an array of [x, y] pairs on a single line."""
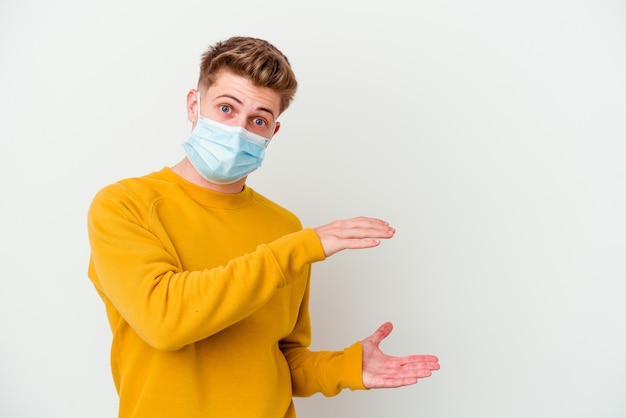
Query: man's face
{"points": [[234, 100]]}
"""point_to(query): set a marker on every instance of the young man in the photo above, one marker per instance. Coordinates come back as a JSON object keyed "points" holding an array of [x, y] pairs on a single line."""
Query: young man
{"points": [[206, 282]]}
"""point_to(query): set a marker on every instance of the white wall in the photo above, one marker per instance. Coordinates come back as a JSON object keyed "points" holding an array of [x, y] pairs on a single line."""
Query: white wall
{"points": [[491, 134]]}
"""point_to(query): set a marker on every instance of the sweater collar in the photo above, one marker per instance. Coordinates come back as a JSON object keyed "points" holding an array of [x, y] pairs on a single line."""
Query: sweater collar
{"points": [[207, 197]]}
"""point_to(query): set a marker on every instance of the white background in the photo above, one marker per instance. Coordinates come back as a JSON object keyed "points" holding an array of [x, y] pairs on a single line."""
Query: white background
{"points": [[491, 134]]}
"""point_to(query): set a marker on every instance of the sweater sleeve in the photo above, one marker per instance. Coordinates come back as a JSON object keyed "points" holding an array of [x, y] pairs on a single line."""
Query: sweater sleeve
{"points": [[168, 307], [328, 372]]}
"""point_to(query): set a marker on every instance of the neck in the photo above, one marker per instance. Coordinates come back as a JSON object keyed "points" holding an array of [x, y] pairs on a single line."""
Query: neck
{"points": [[186, 170]]}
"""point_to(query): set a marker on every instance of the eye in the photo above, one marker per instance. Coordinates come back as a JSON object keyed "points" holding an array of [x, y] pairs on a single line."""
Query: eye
{"points": [[226, 109], [259, 123]]}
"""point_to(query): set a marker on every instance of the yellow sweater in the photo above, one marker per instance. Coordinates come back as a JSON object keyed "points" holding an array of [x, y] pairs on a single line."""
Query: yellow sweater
{"points": [[207, 297]]}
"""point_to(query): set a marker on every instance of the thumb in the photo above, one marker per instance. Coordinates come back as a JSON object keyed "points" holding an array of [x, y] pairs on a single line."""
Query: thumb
{"points": [[381, 333]]}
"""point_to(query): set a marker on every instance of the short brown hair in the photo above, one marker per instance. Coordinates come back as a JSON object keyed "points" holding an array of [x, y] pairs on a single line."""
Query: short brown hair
{"points": [[252, 58]]}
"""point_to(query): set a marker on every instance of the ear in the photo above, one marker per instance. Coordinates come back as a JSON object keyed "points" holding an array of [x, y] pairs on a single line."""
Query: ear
{"points": [[192, 106], [276, 128]]}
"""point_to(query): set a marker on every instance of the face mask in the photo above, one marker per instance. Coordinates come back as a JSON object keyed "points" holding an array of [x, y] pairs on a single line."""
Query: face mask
{"points": [[223, 154]]}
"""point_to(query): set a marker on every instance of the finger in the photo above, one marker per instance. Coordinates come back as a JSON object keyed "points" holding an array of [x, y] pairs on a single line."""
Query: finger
{"points": [[381, 333], [418, 358], [409, 363], [419, 367], [395, 368], [403, 373], [396, 378], [362, 227]]}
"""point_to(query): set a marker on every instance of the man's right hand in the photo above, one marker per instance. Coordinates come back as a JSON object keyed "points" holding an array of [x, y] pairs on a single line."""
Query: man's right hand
{"points": [[354, 233]]}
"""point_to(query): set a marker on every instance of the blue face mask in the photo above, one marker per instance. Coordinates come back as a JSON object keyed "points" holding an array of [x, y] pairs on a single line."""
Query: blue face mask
{"points": [[223, 154]]}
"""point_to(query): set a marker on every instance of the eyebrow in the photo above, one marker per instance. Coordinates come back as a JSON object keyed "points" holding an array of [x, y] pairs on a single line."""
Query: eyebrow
{"points": [[265, 109]]}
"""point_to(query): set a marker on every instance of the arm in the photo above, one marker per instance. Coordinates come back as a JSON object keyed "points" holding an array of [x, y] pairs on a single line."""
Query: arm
{"points": [[360, 366], [141, 275], [328, 372]]}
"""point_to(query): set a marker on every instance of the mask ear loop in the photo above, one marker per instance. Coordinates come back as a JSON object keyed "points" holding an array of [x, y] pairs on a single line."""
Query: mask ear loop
{"points": [[189, 129], [198, 110]]}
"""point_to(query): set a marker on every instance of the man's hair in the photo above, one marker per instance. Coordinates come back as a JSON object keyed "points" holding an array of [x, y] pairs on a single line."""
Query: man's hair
{"points": [[252, 58]]}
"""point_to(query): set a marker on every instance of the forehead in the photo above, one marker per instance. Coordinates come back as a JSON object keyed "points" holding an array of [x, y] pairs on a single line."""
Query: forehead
{"points": [[244, 92]]}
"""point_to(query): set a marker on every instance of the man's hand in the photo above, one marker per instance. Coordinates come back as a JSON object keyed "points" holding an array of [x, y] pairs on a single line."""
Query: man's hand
{"points": [[353, 233], [383, 371]]}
